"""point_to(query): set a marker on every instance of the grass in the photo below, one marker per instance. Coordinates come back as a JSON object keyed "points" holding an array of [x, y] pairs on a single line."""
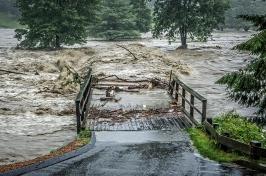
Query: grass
{"points": [[7, 21], [84, 137], [239, 128], [208, 147]]}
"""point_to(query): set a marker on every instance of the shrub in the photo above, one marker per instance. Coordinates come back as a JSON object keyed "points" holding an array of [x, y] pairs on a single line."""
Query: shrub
{"points": [[239, 128]]}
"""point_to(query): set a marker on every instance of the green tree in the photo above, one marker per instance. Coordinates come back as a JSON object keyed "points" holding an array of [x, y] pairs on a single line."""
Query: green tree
{"points": [[196, 18], [52, 23], [248, 85], [115, 21], [143, 15]]}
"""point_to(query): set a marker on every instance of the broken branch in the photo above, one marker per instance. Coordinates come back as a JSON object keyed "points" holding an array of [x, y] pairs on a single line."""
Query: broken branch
{"points": [[9, 71], [128, 51]]}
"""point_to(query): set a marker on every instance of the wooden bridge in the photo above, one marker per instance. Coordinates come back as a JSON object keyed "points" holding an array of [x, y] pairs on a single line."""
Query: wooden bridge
{"points": [[180, 116]]}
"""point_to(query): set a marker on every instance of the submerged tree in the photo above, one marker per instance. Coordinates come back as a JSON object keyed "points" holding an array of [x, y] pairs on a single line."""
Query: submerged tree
{"points": [[248, 85], [143, 15], [115, 21], [196, 18], [50, 23]]}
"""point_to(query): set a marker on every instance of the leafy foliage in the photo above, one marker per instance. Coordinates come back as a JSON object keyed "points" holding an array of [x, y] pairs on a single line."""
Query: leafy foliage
{"points": [[84, 136], [49, 23], [240, 128], [115, 21], [248, 85], [196, 18], [143, 15]]}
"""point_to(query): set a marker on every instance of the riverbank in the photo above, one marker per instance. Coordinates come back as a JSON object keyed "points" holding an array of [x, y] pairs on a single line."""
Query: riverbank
{"points": [[83, 139]]}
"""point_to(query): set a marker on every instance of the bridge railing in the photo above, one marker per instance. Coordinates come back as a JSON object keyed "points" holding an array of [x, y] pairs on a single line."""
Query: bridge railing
{"points": [[83, 101], [180, 91]]}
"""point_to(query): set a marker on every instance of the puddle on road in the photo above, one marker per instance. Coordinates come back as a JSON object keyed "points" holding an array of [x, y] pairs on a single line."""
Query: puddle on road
{"points": [[140, 137]]}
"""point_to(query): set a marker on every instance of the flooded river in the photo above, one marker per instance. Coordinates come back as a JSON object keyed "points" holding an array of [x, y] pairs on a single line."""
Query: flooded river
{"points": [[31, 117]]}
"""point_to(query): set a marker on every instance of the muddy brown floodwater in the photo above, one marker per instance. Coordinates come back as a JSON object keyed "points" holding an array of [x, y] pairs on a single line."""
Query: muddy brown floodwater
{"points": [[36, 108]]}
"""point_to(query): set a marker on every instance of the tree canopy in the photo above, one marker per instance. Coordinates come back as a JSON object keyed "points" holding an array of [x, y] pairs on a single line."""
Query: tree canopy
{"points": [[51, 23], [116, 20], [143, 15], [248, 85], [196, 18]]}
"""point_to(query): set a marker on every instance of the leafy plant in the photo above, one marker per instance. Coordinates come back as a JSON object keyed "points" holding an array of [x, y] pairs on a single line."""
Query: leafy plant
{"points": [[239, 128], [116, 21], [248, 85], [51, 24], [208, 148], [143, 15], [194, 18], [84, 136]]}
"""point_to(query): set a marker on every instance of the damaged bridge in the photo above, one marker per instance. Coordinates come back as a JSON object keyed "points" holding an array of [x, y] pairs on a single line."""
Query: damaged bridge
{"points": [[115, 104]]}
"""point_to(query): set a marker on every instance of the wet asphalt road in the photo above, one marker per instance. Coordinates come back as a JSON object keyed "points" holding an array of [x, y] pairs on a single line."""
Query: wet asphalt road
{"points": [[151, 153]]}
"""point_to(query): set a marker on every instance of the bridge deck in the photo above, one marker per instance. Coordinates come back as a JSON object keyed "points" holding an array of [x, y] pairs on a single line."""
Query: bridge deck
{"points": [[137, 109], [158, 122]]}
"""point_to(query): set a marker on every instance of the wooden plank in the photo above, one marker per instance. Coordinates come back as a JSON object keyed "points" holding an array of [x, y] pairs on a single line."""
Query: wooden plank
{"points": [[167, 125], [234, 144], [191, 119], [163, 123], [185, 121], [180, 123], [137, 125], [148, 123], [262, 152], [176, 123], [141, 125], [151, 124], [154, 124], [170, 122]]}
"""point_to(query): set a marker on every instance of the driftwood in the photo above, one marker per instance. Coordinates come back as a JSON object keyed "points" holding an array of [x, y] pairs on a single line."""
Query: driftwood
{"points": [[116, 89], [106, 77], [110, 99], [9, 71], [135, 58]]}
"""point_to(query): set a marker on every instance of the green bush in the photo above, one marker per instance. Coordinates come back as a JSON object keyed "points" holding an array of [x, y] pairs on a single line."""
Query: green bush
{"points": [[84, 136], [239, 128]]}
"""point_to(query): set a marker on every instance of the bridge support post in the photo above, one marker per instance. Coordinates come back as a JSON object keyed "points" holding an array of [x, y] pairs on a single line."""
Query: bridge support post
{"points": [[78, 117], [204, 110]]}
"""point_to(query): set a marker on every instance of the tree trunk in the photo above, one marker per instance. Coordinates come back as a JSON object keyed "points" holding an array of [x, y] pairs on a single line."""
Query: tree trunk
{"points": [[57, 41], [183, 36]]}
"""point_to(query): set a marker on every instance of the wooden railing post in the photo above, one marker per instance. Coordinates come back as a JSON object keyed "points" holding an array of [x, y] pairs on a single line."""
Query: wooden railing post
{"points": [[192, 99], [170, 82], [183, 98], [78, 117], [177, 90], [254, 150], [204, 110]]}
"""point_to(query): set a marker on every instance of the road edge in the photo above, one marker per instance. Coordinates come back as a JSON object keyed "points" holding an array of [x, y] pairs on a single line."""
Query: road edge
{"points": [[52, 161]]}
